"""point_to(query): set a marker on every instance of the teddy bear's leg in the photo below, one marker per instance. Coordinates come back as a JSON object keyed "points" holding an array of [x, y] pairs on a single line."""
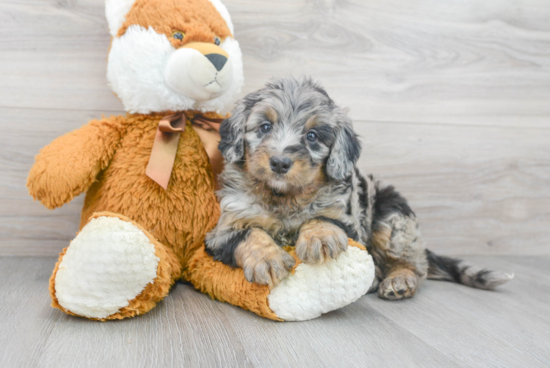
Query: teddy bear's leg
{"points": [[112, 269], [308, 292]]}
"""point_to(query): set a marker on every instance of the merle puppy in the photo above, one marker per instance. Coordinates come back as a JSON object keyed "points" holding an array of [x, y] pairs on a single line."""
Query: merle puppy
{"points": [[290, 179]]}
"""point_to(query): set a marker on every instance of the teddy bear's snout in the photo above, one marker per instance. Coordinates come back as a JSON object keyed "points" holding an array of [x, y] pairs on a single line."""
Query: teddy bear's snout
{"points": [[200, 71]]}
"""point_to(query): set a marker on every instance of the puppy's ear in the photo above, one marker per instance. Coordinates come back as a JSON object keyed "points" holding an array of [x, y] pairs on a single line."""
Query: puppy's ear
{"points": [[232, 142], [232, 129], [345, 151]]}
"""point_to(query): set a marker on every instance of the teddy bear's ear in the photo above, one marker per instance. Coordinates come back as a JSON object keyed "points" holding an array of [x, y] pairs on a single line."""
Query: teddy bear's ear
{"points": [[224, 13], [116, 11]]}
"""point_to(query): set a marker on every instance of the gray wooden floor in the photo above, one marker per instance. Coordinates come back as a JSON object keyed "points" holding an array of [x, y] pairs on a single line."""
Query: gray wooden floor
{"points": [[445, 325], [452, 102]]}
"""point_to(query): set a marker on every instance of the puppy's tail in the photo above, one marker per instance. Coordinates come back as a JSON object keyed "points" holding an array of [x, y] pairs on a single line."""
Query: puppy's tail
{"points": [[456, 270]]}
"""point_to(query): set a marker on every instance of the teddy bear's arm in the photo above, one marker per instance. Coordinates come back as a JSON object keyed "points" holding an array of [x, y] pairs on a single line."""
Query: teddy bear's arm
{"points": [[69, 165]]}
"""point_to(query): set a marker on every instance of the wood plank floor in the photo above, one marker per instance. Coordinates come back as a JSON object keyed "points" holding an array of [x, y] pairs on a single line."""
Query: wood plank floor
{"points": [[445, 325]]}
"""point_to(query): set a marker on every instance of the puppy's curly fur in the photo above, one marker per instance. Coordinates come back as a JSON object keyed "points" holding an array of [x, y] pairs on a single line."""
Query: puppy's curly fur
{"points": [[291, 179]]}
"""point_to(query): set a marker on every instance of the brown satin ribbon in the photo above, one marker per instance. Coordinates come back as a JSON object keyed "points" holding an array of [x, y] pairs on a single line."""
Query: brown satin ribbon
{"points": [[208, 130], [165, 147]]}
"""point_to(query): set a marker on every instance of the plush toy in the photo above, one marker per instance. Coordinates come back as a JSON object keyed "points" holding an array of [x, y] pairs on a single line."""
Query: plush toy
{"points": [[149, 180]]}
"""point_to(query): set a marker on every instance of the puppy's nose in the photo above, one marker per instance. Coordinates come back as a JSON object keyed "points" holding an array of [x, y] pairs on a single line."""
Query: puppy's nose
{"points": [[217, 60], [280, 164]]}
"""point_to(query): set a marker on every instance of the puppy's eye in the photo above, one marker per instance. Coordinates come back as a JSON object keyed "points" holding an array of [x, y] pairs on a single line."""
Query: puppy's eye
{"points": [[265, 127], [217, 41], [178, 35], [311, 136]]}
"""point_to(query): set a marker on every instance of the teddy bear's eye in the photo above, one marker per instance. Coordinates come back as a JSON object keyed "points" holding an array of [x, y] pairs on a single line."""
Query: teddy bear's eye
{"points": [[178, 35], [217, 41]]}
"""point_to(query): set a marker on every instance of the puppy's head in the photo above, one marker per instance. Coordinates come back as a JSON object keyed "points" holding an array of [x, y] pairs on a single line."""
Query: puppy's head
{"points": [[290, 135]]}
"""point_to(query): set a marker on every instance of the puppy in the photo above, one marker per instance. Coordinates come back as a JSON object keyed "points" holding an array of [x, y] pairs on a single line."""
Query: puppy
{"points": [[290, 178]]}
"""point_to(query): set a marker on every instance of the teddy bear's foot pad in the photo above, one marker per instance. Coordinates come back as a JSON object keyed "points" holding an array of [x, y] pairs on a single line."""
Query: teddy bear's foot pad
{"points": [[106, 266], [317, 289]]}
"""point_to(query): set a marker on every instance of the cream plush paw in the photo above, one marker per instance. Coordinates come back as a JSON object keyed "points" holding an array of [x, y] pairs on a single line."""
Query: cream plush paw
{"points": [[107, 265], [314, 289]]}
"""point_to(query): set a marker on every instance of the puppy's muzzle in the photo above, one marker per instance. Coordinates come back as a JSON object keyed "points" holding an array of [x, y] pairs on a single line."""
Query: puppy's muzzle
{"points": [[280, 164]]}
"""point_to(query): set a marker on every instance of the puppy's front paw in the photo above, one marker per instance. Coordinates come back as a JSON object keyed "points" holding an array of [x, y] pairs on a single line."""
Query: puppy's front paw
{"points": [[320, 241], [262, 260]]}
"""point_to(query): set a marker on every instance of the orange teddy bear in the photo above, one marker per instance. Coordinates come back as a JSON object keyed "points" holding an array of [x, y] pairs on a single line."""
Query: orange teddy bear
{"points": [[149, 181]]}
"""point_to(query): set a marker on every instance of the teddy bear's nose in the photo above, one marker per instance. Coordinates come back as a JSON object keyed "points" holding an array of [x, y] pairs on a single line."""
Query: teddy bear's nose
{"points": [[217, 60]]}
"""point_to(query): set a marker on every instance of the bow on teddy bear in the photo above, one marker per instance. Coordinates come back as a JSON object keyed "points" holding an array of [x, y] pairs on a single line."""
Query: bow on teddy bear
{"points": [[138, 237]]}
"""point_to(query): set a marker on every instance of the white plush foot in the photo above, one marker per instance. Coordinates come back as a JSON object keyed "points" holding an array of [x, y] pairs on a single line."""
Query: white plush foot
{"points": [[106, 266], [316, 289]]}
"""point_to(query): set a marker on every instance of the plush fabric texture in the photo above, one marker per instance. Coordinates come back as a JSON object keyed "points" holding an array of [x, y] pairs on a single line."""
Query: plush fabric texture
{"points": [[224, 13], [119, 147], [310, 290], [313, 290], [228, 284], [136, 73], [108, 264], [168, 269], [178, 217], [195, 13], [115, 11], [144, 45], [200, 20], [69, 165]]}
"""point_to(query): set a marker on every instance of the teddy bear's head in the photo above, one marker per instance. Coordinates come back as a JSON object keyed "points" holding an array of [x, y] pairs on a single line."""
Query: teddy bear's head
{"points": [[173, 55]]}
